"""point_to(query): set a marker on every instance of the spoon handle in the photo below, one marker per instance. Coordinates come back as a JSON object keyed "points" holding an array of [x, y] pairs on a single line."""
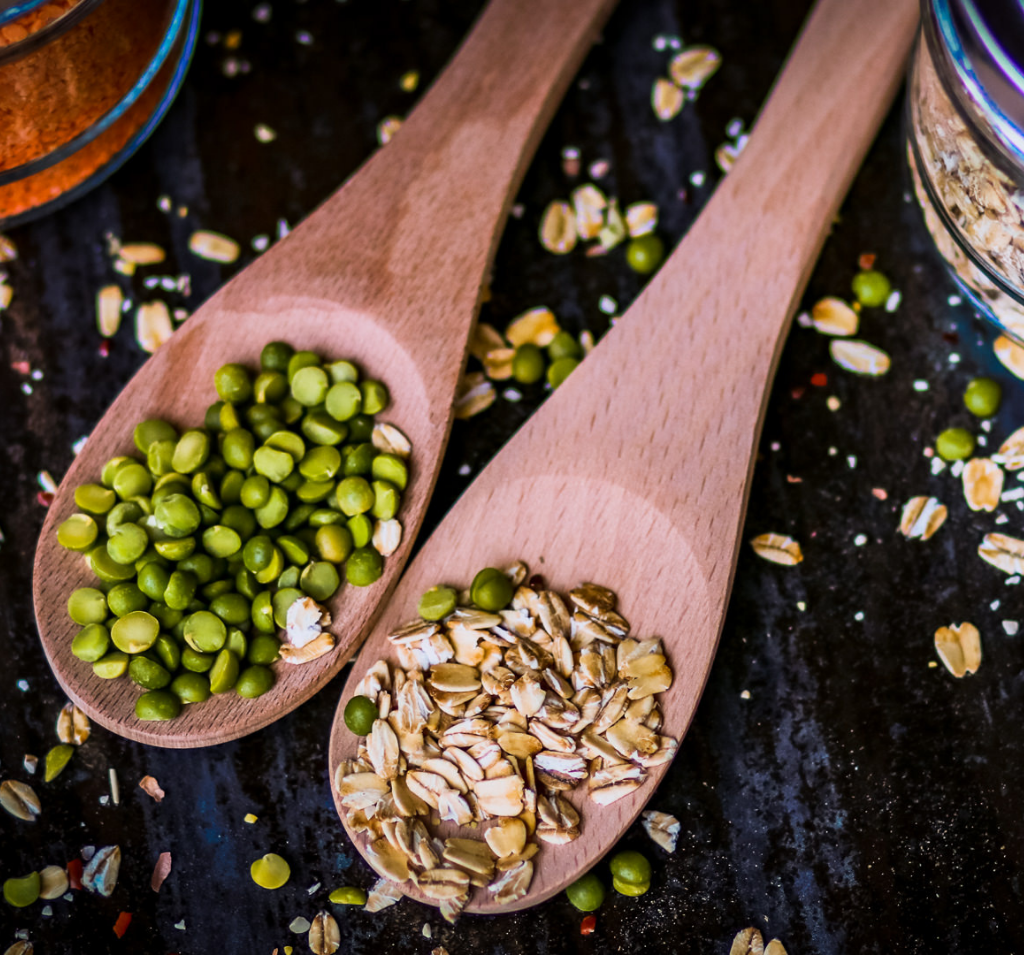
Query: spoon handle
{"points": [[675, 393], [428, 209]]}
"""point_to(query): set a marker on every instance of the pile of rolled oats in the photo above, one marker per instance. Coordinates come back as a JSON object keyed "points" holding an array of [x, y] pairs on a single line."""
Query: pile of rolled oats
{"points": [[984, 204], [488, 720]]}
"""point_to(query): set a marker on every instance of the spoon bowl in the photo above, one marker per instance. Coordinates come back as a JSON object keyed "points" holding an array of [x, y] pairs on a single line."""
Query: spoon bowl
{"points": [[389, 273], [635, 474]]}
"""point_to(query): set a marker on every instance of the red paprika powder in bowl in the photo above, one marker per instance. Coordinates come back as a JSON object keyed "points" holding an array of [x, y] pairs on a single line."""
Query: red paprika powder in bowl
{"points": [[83, 83]]}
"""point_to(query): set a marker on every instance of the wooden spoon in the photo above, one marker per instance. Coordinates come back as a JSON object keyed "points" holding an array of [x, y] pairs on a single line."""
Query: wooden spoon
{"points": [[635, 474], [389, 273]]}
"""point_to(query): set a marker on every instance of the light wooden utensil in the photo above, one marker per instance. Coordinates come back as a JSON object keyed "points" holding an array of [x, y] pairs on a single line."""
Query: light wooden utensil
{"points": [[389, 273], [635, 474]]}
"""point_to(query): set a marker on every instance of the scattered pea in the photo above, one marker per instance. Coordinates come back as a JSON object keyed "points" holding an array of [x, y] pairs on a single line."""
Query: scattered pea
{"points": [[629, 888], [630, 866], [348, 895], [491, 590], [270, 872], [360, 713], [871, 288], [22, 892], [586, 893], [56, 759], [983, 397], [559, 370], [528, 364], [437, 603], [563, 345], [644, 254], [955, 444]]}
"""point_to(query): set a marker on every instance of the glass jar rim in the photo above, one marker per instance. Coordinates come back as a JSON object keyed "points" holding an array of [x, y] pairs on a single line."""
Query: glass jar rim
{"points": [[179, 18], [991, 79]]}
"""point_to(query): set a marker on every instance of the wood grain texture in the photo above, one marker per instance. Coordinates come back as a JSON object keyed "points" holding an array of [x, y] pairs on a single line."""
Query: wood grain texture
{"points": [[388, 272], [636, 473]]}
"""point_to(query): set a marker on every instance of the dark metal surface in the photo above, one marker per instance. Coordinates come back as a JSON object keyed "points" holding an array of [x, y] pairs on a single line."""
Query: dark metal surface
{"points": [[858, 800]]}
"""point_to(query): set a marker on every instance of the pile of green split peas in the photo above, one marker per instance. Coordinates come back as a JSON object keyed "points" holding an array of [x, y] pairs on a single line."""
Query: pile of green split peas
{"points": [[201, 547]]}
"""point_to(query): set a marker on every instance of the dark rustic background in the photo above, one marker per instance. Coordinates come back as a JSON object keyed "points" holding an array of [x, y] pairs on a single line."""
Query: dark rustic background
{"points": [[835, 789]]}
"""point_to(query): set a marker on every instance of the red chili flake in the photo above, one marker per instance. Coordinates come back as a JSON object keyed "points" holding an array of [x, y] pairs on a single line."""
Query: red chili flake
{"points": [[588, 925], [819, 380], [122, 923], [797, 393], [866, 261], [45, 498], [880, 493], [74, 868], [794, 480], [104, 348], [536, 582], [21, 367]]}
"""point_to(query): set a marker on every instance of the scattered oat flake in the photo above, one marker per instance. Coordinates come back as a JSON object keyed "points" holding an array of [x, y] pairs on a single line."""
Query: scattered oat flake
{"points": [[959, 648], [599, 168], [641, 218], [748, 941], [538, 326], [264, 133], [474, 395], [152, 326], [922, 517], [1011, 452], [141, 253], [667, 99], [151, 787], [983, 484], [694, 66], [8, 250], [1003, 552], [558, 228], [727, 154], [1010, 354], [833, 403], [832, 316], [774, 947], [213, 246], [161, 870], [299, 925], [859, 357], [589, 204], [662, 828], [777, 548], [109, 302], [893, 301], [387, 128]]}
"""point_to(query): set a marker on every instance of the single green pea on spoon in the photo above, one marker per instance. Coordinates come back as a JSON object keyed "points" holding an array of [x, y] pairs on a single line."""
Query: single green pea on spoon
{"points": [[635, 474], [388, 273]]}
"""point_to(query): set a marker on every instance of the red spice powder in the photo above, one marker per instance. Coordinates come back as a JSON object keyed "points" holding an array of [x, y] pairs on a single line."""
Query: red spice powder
{"points": [[58, 89]]}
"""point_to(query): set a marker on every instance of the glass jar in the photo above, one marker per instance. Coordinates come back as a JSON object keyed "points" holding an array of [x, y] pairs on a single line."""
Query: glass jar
{"points": [[966, 147], [82, 84]]}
